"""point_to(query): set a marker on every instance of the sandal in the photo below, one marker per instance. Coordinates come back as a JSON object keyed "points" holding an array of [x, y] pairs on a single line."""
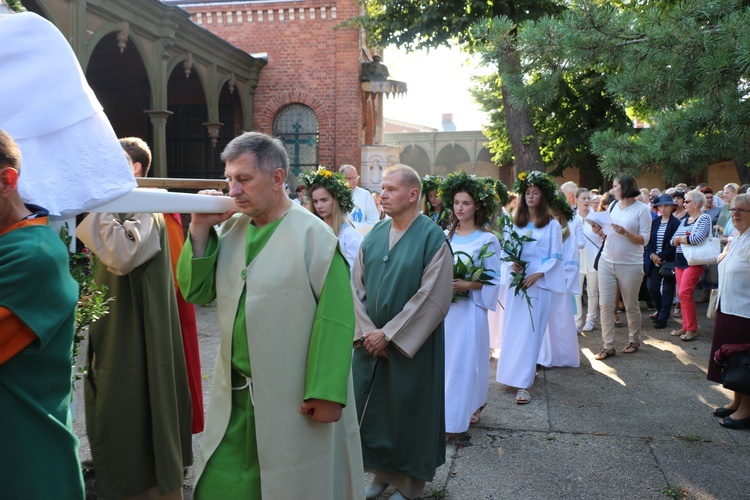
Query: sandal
{"points": [[653, 315], [688, 335], [618, 320], [631, 348], [604, 354], [677, 333], [477, 416], [523, 397]]}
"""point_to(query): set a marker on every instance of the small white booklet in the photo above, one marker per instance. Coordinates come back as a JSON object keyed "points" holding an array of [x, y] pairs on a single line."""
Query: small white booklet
{"points": [[604, 219]]}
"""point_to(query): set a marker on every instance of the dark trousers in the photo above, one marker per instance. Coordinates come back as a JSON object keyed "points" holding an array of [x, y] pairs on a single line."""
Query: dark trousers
{"points": [[662, 293]]}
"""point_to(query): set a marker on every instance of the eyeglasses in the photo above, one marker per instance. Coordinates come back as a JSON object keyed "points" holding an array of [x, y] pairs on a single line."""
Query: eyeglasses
{"points": [[733, 210]]}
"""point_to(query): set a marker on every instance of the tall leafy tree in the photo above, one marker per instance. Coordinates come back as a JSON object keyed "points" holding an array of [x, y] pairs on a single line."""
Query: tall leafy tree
{"points": [[416, 24], [683, 67], [576, 105]]}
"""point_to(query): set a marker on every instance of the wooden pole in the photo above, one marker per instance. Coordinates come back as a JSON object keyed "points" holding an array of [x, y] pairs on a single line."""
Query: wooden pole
{"points": [[174, 183]]}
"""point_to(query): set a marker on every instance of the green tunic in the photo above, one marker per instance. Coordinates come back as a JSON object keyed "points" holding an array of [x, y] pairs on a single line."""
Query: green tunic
{"points": [[403, 397], [39, 457], [138, 408], [234, 469]]}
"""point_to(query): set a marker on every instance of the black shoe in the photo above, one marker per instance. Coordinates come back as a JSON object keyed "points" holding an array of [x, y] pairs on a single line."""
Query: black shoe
{"points": [[731, 423], [660, 324], [722, 412]]}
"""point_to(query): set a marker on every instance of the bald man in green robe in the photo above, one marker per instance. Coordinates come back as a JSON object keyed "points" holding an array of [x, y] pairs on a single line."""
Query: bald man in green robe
{"points": [[403, 283]]}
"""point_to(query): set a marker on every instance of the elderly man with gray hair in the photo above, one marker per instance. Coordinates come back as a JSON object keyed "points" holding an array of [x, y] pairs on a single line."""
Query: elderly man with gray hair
{"points": [[281, 420], [365, 214]]}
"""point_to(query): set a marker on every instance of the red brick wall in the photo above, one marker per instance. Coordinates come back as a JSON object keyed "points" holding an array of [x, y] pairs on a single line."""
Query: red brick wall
{"points": [[308, 62]]}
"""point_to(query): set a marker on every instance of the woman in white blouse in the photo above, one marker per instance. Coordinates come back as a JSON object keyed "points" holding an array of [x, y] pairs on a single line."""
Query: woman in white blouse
{"points": [[732, 324], [621, 263]]}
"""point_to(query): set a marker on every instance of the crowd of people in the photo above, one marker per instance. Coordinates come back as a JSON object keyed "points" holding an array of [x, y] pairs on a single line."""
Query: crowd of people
{"points": [[398, 300]]}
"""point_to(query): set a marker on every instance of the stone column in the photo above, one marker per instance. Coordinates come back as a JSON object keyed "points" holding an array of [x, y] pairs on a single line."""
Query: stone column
{"points": [[159, 147]]}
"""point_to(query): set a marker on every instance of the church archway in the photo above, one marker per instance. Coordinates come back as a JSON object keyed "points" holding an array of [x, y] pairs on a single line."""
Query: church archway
{"points": [[450, 158], [122, 87], [417, 158], [190, 152], [485, 167]]}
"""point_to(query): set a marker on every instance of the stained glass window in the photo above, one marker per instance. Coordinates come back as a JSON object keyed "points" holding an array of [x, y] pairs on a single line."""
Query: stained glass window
{"points": [[297, 127]]}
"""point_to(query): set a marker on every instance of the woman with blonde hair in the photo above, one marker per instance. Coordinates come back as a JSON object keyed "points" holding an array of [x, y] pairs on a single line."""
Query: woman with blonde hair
{"points": [[331, 199]]}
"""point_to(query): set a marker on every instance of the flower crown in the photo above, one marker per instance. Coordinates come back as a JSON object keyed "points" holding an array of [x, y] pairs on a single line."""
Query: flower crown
{"points": [[502, 192], [560, 205], [430, 183], [481, 190], [539, 179], [334, 184]]}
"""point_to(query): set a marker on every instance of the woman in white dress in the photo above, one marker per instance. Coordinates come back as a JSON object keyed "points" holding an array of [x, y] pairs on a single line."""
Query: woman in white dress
{"points": [[331, 199], [543, 274], [496, 317], [467, 341], [432, 206], [560, 342]]}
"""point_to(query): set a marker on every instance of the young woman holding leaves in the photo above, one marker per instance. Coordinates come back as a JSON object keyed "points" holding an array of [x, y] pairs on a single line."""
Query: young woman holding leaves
{"points": [[477, 263], [534, 269]]}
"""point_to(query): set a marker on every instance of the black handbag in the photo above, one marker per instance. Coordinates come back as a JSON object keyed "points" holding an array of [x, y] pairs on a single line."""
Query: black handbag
{"points": [[735, 373], [667, 269], [598, 255]]}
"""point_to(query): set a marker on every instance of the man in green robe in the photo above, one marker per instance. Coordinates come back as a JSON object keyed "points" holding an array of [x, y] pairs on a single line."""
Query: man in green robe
{"points": [[38, 297], [138, 407], [402, 281], [279, 423]]}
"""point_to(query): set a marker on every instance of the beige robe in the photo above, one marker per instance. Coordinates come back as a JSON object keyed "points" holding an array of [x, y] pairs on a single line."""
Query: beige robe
{"points": [[298, 457]]}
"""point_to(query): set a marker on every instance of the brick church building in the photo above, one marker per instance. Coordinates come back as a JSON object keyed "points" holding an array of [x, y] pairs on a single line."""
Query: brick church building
{"points": [[310, 92]]}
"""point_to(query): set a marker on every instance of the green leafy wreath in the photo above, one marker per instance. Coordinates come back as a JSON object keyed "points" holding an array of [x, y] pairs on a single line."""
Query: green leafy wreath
{"points": [[481, 190], [430, 183], [334, 182], [502, 192], [560, 205], [539, 179]]}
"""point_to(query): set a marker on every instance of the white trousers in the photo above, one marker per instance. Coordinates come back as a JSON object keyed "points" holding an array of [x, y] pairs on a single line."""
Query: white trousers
{"points": [[592, 291]]}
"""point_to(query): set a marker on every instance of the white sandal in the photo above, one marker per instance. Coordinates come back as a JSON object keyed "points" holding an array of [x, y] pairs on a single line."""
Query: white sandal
{"points": [[523, 397]]}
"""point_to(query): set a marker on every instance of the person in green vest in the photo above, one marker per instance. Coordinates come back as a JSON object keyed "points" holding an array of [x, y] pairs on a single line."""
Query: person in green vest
{"points": [[38, 297], [403, 283], [281, 420]]}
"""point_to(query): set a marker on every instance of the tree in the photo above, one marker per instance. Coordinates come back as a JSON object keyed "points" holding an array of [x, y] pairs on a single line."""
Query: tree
{"points": [[577, 107], [680, 66], [416, 24]]}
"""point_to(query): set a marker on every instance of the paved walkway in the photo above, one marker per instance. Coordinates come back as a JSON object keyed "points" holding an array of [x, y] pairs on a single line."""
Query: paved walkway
{"points": [[633, 426]]}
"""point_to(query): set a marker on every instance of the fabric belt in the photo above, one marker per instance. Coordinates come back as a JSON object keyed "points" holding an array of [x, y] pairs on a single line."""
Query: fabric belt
{"points": [[247, 385]]}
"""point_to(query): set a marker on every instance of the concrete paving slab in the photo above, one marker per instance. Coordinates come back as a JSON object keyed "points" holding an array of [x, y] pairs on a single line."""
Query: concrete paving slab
{"points": [[633, 426]]}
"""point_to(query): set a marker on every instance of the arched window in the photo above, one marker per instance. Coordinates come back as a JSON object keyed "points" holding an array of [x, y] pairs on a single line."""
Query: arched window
{"points": [[297, 127]]}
